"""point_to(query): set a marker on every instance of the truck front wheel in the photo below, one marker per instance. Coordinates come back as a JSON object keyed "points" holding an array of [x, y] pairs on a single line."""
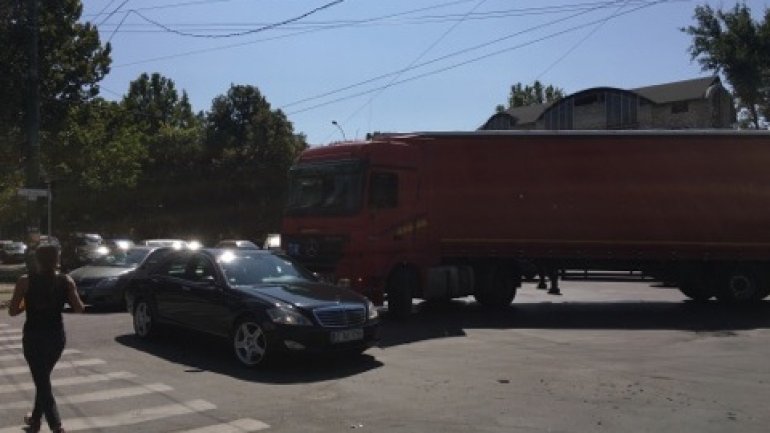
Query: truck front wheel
{"points": [[742, 284], [495, 287]]}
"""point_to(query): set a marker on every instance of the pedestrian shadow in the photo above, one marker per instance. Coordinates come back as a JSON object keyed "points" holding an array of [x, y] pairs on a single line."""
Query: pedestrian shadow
{"points": [[433, 320], [203, 353]]}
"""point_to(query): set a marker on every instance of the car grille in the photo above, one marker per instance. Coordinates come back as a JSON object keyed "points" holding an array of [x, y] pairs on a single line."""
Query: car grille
{"points": [[341, 316]]}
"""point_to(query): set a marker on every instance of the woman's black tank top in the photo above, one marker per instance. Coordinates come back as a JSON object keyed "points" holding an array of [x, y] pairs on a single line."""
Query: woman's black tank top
{"points": [[44, 302]]}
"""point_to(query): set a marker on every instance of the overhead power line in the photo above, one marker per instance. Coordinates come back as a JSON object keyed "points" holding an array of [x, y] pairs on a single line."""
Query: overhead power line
{"points": [[454, 54], [398, 21], [476, 59], [236, 34], [243, 44]]}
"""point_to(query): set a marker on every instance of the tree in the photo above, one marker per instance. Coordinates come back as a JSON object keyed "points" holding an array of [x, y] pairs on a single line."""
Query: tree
{"points": [[242, 127], [152, 101], [72, 61], [733, 44], [523, 95], [171, 131]]}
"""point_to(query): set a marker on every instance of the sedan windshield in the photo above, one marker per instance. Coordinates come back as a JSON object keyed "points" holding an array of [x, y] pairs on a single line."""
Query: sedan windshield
{"points": [[249, 270], [122, 259]]}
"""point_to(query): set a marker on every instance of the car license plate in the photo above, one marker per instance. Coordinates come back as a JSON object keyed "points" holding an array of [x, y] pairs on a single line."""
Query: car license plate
{"points": [[347, 335]]}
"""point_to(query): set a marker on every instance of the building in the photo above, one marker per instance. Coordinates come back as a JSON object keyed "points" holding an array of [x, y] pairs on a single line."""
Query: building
{"points": [[701, 103]]}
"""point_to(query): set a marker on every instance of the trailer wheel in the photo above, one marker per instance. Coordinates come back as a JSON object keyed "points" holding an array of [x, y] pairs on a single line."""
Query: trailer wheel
{"points": [[741, 284], [496, 287], [401, 286]]}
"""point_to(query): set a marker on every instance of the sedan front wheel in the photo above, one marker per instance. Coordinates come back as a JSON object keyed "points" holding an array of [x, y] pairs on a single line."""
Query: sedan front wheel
{"points": [[250, 343], [144, 321]]}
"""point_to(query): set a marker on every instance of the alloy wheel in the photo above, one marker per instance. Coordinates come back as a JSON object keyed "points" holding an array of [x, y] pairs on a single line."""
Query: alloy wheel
{"points": [[249, 343]]}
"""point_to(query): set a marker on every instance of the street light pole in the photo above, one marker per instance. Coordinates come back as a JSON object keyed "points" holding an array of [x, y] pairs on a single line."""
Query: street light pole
{"points": [[334, 122]]}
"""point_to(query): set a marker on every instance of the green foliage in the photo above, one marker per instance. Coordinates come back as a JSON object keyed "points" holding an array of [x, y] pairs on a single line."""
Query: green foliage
{"points": [[71, 60], [732, 43], [99, 149], [241, 128], [523, 95]]}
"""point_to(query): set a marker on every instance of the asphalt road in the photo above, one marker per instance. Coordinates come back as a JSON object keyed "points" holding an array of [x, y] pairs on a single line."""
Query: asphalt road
{"points": [[604, 357]]}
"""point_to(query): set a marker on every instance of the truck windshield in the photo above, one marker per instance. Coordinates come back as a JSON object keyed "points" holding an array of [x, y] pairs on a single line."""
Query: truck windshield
{"points": [[325, 188]]}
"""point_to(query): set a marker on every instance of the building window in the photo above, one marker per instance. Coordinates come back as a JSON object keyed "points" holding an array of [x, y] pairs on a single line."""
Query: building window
{"points": [[680, 107]]}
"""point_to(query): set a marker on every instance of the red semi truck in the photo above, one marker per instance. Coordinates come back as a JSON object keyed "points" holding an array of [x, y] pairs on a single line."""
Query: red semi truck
{"points": [[450, 214]]}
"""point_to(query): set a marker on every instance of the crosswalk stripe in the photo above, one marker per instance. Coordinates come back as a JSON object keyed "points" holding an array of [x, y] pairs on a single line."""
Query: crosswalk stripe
{"points": [[10, 331], [16, 356], [4, 325], [89, 397], [11, 338], [135, 416], [61, 365], [238, 426], [68, 381], [10, 347]]}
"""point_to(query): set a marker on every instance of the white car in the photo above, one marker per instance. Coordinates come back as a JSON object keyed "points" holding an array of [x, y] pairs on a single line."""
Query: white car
{"points": [[176, 244]]}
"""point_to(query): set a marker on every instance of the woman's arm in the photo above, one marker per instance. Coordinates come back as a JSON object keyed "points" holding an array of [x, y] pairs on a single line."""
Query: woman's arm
{"points": [[19, 291], [72, 296]]}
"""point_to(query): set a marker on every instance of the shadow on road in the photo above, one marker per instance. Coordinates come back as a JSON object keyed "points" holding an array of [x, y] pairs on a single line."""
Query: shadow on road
{"points": [[452, 318], [205, 353]]}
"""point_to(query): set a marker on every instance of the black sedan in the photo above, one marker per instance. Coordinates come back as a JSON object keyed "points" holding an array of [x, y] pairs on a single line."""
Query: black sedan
{"points": [[103, 281], [263, 302]]}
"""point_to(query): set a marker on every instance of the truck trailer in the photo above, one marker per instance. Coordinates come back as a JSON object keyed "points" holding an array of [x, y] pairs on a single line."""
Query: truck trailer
{"points": [[439, 215]]}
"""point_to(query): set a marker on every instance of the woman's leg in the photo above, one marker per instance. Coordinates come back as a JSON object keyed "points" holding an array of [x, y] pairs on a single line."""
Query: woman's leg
{"points": [[43, 355]]}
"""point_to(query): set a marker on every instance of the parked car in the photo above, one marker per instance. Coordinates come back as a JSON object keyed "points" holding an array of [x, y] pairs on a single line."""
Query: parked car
{"points": [[13, 252], [265, 303], [103, 281], [119, 244], [79, 249], [237, 244], [173, 243]]}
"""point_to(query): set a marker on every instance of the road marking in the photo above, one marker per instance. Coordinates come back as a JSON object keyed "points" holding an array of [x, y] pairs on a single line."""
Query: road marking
{"points": [[16, 356], [136, 416], [68, 381], [4, 325], [89, 397], [11, 338], [10, 331], [11, 347], [237, 426], [61, 365]]}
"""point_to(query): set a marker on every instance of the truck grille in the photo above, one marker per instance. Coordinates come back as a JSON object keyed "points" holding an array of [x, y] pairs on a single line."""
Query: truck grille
{"points": [[341, 316]]}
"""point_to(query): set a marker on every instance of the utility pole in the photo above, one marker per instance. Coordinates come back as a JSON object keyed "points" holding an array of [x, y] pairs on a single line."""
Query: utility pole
{"points": [[32, 156]]}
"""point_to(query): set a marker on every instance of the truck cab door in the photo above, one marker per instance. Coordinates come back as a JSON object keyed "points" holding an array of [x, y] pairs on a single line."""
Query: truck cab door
{"points": [[395, 212]]}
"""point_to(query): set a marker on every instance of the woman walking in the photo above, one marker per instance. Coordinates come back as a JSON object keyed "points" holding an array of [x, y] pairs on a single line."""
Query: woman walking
{"points": [[43, 294]]}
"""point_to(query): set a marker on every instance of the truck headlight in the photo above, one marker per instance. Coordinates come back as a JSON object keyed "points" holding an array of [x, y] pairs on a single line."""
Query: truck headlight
{"points": [[286, 315]]}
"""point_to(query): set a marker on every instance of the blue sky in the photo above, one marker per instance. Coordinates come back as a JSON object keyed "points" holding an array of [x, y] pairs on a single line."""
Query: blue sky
{"points": [[438, 64]]}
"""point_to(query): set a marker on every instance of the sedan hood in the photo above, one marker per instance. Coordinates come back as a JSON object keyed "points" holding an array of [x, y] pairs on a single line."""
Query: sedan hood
{"points": [[93, 272], [305, 295]]}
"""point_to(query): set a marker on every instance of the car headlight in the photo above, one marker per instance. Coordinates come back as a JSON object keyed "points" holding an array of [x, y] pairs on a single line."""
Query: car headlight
{"points": [[372, 312], [107, 282], [286, 315]]}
